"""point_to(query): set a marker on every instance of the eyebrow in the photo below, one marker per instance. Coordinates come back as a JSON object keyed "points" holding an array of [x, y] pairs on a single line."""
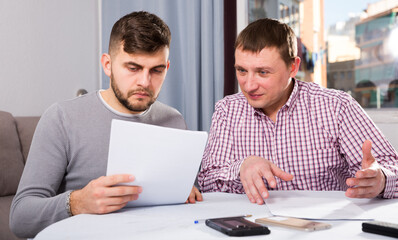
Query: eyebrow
{"points": [[256, 69], [140, 66], [263, 68]]}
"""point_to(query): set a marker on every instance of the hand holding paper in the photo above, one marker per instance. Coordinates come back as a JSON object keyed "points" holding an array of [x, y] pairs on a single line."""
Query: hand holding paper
{"points": [[164, 161], [102, 196], [194, 196]]}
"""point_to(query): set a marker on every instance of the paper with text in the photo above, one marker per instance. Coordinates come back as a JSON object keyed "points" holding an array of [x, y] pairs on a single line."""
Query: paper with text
{"points": [[163, 160]]}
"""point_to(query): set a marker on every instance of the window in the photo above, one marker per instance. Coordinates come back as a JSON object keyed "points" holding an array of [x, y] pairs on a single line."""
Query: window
{"points": [[342, 75], [349, 75]]}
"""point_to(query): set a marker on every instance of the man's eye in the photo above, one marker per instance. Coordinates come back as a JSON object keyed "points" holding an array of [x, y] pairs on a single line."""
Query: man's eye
{"points": [[133, 69], [157, 70], [240, 70], [263, 72]]}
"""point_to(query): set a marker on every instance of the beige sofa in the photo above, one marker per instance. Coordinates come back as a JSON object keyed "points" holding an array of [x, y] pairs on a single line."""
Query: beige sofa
{"points": [[15, 137]]}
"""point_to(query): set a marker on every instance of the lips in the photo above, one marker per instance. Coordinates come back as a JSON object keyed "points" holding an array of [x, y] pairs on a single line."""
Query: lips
{"points": [[254, 96], [140, 93]]}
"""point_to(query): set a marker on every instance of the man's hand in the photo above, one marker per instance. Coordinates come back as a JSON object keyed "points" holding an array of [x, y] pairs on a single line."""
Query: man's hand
{"points": [[194, 195], [370, 181], [102, 196], [252, 171]]}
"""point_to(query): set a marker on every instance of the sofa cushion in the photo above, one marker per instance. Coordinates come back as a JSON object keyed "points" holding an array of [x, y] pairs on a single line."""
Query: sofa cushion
{"points": [[5, 232], [11, 159], [26, 127]]}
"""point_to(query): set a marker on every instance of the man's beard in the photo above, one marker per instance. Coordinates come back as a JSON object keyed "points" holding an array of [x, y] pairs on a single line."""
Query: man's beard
{"points": [[138, 107]]}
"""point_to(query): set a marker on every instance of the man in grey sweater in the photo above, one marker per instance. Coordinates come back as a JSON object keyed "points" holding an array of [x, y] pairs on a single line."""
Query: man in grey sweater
{"points": [[65, 171]]}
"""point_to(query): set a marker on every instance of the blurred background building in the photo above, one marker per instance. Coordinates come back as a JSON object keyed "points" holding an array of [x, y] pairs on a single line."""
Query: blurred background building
{"points": [[342, 53], [362, 53], [376, 71]]}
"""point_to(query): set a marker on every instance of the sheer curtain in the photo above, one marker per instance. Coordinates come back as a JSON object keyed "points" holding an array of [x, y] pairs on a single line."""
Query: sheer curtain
{"points": [[195, 80]]}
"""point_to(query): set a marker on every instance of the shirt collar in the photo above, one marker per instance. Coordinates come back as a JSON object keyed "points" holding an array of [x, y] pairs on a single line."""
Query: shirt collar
{"points": [[138, 115], [291, 102]]}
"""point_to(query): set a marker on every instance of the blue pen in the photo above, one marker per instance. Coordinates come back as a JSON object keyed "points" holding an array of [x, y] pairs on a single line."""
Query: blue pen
{"points": [[202, 220]]}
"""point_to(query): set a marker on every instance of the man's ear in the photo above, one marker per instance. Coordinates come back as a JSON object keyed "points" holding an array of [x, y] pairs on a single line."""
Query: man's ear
{"points": [[168, 64], [106, 64], [294, 67]]}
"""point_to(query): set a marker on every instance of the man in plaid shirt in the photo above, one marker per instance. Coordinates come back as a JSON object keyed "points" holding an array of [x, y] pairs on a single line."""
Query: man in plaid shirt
{"points": [[283, 134]]}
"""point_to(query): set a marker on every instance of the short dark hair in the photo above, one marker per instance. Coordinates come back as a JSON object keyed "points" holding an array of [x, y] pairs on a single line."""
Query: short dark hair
{"points": [[268, 32], [139, 32]]}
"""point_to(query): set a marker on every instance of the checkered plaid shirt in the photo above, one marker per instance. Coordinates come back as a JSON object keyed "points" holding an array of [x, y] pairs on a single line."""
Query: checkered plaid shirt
{"points": [[317, 137]]}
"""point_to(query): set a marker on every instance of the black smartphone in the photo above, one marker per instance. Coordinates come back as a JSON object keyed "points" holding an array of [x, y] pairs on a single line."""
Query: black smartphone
{"points": [[237, 226], [382, 228]]}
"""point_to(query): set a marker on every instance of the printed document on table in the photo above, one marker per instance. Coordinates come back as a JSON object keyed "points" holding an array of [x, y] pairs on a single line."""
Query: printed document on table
{"points": [[164, 161]]}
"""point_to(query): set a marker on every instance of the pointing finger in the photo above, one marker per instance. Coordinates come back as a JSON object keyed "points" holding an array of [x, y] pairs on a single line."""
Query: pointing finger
{"points": [[280, 173]]}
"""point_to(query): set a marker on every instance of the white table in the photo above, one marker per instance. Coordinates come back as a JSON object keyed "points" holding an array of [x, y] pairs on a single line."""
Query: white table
{"points": [[177, 221]]}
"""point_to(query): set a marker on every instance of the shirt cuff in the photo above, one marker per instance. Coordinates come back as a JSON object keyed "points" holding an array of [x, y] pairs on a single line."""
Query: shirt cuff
{"points": [[235, 169], [390, 187]]}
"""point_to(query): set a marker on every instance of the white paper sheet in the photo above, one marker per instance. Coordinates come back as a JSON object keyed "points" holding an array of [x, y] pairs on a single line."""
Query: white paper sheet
{"points": [[164, 161], [319, 205]]}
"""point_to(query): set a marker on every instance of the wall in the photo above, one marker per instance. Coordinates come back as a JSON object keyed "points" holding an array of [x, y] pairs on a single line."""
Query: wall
{"points": [[49, 49], [312, 36]]}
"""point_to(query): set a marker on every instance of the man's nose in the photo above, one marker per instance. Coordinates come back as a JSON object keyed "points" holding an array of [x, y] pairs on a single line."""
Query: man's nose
{"points": [[144, 79], [251, 83]]}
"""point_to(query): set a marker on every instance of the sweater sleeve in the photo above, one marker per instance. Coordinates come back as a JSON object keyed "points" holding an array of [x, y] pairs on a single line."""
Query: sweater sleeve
{"points": [[37, 203]]}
